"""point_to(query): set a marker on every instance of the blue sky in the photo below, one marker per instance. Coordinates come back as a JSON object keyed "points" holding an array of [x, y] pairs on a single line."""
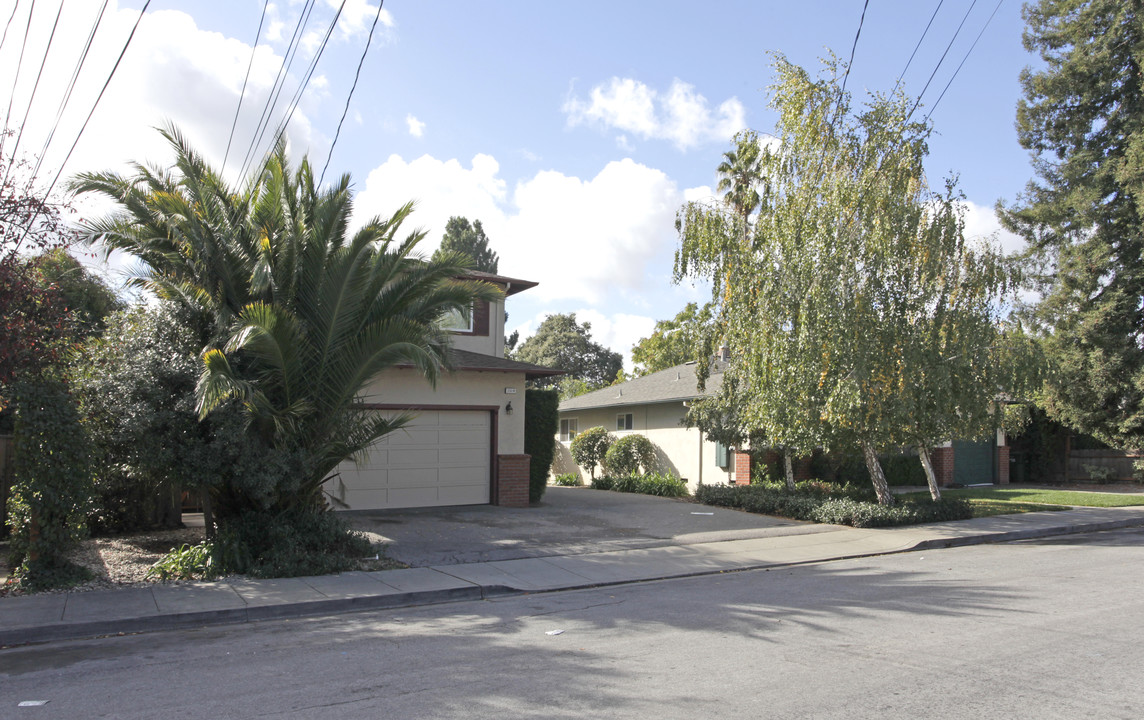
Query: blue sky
{"points": [[574, 131]]}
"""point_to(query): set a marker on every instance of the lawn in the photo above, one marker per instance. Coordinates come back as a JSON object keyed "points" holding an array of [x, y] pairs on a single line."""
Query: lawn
{"points": [[1009, 500]]}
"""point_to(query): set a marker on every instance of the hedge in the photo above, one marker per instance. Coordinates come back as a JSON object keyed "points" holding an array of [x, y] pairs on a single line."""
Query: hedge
{"points": [[541, 421]]}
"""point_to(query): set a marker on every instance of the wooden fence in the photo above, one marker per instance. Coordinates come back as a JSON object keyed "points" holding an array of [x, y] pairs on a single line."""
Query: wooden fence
{"points": [[1102, 465]]}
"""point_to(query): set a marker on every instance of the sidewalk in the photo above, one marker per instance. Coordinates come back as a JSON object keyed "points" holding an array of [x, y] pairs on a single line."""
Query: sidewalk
{"points": [[41, 618]]}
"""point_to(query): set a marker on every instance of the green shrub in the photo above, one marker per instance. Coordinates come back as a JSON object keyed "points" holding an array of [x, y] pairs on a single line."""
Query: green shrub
{"points": [[189, 562], [604, 482], [51, 488], [589, 448], [661, 485], [568, 480], [630, 454], [848, 505], [542, 422], [299, 541]]}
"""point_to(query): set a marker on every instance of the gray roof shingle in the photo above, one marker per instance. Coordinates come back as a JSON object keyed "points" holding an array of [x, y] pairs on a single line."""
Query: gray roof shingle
{"points": [[674, 384]]}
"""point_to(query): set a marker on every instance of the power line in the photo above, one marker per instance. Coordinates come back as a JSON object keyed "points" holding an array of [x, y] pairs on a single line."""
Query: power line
{"points": [[955, 72], [361, 62], [35, 87], [242, 93], [83, 127], [70, 88], [281, 128], [940, 61], [16, 79], [915, 52], [853, 48], [279, 83], [8, 24]]}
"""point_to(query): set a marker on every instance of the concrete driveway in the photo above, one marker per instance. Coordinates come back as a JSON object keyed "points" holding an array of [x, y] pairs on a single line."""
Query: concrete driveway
{"points": [[569, 521]]}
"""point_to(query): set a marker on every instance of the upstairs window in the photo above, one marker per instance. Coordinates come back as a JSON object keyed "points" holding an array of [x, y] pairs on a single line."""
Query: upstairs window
{"points": [[624, 422], [458, 321]]}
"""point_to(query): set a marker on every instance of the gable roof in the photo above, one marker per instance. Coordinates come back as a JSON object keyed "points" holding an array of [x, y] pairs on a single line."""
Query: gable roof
{"points": [[674, 384], [511, 286]]}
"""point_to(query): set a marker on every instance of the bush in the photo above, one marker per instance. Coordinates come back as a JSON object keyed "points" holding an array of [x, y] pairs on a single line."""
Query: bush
{"points": [[51, 488], [189, 562], [568, 480], [661, 485], [630, 454], [298, 541], [589, 448], [542, 422], [848, 505]]}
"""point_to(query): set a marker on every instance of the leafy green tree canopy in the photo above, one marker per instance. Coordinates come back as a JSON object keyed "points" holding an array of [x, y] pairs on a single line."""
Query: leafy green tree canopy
{"points": [[1082, 119], [470, 241], [567, 345], [673, 342]]}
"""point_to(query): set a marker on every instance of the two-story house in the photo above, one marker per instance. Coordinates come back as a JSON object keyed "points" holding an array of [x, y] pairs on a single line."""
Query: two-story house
{"points": [[465, 442]]}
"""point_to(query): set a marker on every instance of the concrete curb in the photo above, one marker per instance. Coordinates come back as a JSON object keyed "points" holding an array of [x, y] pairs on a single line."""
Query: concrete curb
{"points": [[56, 631]]}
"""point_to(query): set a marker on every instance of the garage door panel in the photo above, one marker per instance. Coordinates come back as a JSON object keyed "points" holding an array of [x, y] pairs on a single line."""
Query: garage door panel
{"points": [[440, 458]]}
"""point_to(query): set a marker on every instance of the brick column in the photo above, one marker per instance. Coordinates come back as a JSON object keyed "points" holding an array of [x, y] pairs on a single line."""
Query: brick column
{"points": [[942, 460], [512, 480], [1002, 464], [742, 468], [801, 467]]}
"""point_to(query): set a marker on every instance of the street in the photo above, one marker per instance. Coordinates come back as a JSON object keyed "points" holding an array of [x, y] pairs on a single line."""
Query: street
{"points": [[1039, 629]]}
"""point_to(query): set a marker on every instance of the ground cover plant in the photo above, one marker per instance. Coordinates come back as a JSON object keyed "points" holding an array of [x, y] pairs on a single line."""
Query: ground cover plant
{"points": [[1041, 497]]}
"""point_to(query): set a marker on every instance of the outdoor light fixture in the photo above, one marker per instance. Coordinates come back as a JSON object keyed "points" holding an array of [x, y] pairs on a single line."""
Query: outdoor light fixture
{"points": [[508, 408]]}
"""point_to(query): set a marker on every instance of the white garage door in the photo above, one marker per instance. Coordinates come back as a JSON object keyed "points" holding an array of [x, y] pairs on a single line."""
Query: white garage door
{"points": [[441, 458]]}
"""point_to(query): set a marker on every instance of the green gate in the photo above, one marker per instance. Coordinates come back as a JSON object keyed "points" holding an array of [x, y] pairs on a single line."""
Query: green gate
{"points": [[973, 462]]}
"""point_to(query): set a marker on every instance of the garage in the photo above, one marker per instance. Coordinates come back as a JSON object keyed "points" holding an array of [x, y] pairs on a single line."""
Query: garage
{"points": [[442, 457]]}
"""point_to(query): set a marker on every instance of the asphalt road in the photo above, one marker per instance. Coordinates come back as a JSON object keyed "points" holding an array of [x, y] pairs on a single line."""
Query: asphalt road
{"points": [[1039, 629]]}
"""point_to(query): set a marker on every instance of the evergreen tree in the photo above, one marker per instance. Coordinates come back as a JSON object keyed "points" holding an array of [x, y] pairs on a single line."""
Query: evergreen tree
{"points": [[470, 241]]}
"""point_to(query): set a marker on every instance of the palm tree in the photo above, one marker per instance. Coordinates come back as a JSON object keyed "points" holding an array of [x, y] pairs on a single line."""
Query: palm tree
{"points": [[300, 313], [740, 173]]}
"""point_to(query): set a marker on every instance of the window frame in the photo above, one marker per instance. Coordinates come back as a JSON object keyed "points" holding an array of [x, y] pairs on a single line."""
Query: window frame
{"points": [[624, 421], [471, 319], [569, 428]]}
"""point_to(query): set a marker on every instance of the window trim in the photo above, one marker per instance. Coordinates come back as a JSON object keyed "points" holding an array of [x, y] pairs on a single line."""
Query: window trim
{"points": [[624, 421], [459, 329]]}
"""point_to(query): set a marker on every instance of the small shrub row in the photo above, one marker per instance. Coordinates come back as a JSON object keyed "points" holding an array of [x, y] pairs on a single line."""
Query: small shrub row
{"points": [[568, 480], [847, 507], [189, 562], [657, 484]]}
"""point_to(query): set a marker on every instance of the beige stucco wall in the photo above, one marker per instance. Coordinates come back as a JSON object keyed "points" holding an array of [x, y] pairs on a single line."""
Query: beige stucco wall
{"points": [[493, 343], [467, 387], [678, 446]]}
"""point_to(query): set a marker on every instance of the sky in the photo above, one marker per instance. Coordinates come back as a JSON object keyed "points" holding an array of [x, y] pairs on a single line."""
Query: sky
{"points": [[573, 131]]}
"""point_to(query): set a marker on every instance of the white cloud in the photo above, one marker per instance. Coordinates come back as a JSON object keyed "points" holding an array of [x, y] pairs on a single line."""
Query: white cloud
{"points": [[357, 17], [172, 71], [620, 332], [589, 240], [981, 223], [680, 115], [416, 127]]}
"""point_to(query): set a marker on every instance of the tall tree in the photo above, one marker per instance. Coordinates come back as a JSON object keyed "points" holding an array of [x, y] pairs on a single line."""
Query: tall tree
{"points": [[739, 174], [1082, 119], [563, 343], [470, 241], [856, 312], [303, 313], [673, 342]]}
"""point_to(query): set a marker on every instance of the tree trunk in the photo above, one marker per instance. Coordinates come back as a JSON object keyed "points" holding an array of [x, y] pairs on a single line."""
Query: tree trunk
{"points": [[881, 487], [789, 468], [931, 479], [208, 513]]}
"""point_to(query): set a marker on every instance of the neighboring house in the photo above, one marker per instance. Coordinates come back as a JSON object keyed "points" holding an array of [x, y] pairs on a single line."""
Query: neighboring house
{"points": [[653, 405], [465, 444]]}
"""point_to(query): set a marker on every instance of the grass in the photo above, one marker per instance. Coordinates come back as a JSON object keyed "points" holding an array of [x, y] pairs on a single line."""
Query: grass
{"points": [[1009, 500]]}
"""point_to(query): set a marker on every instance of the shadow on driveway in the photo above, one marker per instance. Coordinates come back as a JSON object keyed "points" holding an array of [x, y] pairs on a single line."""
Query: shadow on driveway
{"points": [[568, 521]]}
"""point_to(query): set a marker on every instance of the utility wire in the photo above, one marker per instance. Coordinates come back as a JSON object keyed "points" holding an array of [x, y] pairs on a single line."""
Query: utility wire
{"points": [[16, 79], [345, 110], [281, 128], [955, 72], [8, 24], [940, 61], [915, 52], [35, 87], [279, 84], [70, 88], [83, 127], [242, 93]]}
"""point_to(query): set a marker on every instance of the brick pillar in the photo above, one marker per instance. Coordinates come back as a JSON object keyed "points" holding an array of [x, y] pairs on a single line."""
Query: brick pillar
{"points": [[942, 460], [742, 468], [512, 481], [1002, 464], [801, 467]]}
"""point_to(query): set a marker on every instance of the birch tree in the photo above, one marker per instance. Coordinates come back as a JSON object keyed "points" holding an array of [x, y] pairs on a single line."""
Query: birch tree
{"points": [[857, 313]]}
